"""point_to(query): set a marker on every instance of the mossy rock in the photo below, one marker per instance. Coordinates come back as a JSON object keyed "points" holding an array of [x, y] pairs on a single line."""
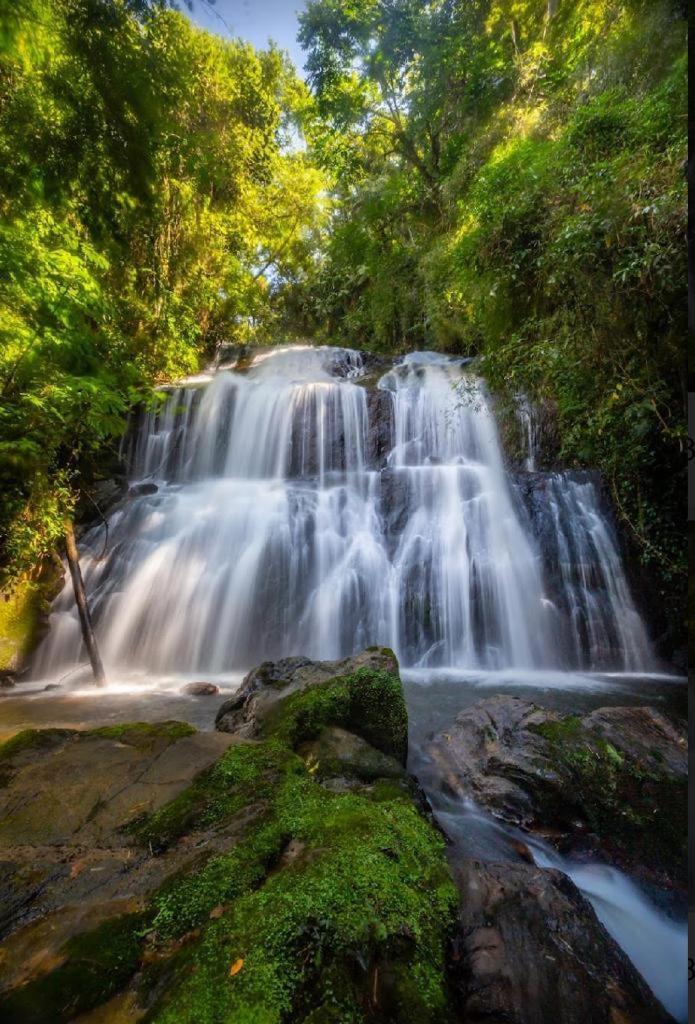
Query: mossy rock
{"points": [[24, 612], [286, 900], [355, 921], [295, 699], [614, 782], [369, 703], [93, 967]]}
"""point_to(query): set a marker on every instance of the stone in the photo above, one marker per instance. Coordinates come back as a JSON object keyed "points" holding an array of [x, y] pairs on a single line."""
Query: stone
{"points": [[65, 798], [267, 686], [381, 436], [613, 782], [529, 949], [138, 490], [338, 753], [126, 846], [200, 689]]}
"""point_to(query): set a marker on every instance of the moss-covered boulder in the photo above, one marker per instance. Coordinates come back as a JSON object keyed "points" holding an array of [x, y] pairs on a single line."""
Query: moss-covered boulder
{"points": [[292, 878], [613, 782], [295, 698]]}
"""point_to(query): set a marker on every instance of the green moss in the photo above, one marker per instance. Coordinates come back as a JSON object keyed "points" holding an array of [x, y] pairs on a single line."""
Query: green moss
{"points": [[637, 808], [368, 895], [556, 732], [246, 772], [32, 739], [135, 732], [98, 964], [368, 702], [20, 612]]}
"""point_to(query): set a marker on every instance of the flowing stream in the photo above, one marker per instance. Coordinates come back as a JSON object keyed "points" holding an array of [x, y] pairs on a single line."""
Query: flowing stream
{"points": [[312, 505]]}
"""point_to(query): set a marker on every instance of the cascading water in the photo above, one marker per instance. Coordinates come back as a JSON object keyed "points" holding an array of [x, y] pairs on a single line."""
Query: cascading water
{"points": [[276, 529]]}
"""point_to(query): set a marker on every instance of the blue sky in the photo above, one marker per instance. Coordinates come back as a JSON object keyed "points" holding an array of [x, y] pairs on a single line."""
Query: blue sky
{"points": [[255, 20]]}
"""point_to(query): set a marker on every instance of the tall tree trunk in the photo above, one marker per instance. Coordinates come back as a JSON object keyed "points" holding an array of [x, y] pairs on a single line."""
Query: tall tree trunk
{"points": [[82, 606]]}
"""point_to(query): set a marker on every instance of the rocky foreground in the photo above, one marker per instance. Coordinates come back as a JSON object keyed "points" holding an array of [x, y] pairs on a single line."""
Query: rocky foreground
{"points": [[612, 784], [284, 868]]}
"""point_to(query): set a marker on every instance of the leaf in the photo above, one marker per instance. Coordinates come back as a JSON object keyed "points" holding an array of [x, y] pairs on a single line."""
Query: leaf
{"points": [[236, 967]]}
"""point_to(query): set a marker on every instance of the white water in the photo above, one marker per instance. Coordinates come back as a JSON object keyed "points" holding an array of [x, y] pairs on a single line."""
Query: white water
{"points": [[274, 532]]}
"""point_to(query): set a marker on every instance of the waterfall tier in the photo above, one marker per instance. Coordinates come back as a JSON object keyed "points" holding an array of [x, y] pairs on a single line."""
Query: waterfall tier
{"points": [[300, 512]]}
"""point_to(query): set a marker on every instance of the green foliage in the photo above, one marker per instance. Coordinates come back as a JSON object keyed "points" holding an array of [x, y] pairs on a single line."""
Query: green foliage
{"points": [[517, 192], [151, 206]]}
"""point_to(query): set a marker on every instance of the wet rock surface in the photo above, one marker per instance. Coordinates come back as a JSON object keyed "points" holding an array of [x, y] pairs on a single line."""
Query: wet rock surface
{"points": [[200, 689], [266, 690], [381, 426], [65, 800], [530, 950], [612, 782], [152, 871]]}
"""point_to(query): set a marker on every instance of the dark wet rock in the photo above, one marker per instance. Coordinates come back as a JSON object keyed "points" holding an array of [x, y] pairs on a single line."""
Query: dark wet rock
{"points": [[535, 492], [361, 693], [613, 782], [200, 689], [380, 438], [395, 507], [8, 679], [545, 429], [139, 490], [51, 686], [530, 950], [102, 496]]}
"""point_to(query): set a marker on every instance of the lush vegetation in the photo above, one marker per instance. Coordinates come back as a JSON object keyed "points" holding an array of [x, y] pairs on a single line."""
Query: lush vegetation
{"points": [[152, 205], [501, 178], [511, 184]]}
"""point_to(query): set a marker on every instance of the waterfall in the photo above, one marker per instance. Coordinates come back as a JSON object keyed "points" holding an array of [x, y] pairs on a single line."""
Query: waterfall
{"points": [[279, 526], [528, 431]]}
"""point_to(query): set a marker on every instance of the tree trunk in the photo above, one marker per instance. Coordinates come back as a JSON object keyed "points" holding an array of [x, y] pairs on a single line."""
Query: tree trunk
{"points": [[82, 606]]}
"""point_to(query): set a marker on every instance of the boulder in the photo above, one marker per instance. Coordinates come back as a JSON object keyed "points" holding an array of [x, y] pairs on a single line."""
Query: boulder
{"points": [[297, 697], [613, 782], [529, 949], [200, 689], [154, 872], [337, 753], [138, 490]]}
